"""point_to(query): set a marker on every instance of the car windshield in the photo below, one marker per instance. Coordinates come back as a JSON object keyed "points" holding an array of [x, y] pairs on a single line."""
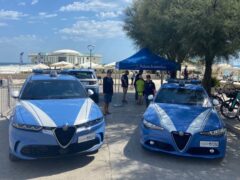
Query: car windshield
{"points": [[53, 89], [182, 96], [83, 75]]}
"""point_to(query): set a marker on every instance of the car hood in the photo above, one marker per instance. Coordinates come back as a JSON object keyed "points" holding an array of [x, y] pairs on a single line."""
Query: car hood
{"points": [[55, 113], [184, 118]]}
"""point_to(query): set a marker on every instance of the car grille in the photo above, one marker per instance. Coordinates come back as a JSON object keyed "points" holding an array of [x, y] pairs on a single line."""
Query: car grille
{"points": [[42, 151], [160, 145], [181, 140], [64, 135]]}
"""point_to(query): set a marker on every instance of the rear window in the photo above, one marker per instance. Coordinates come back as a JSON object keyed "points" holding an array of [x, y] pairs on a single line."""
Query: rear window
{"points": [[83, 75]]}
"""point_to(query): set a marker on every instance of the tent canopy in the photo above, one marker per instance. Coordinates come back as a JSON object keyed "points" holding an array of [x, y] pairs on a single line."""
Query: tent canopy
{"points": [[93, 65], [146, 60]]}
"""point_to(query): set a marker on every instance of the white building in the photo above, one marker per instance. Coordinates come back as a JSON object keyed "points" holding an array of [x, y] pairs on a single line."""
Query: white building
{"points": [[67, 55]]}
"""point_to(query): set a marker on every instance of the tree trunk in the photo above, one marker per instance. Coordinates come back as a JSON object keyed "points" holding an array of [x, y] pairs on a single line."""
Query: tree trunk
{"points": [[207, 80]]}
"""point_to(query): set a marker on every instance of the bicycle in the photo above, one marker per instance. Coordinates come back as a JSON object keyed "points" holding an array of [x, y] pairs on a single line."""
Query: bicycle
{"points": [[220, 93], [230, 108]]}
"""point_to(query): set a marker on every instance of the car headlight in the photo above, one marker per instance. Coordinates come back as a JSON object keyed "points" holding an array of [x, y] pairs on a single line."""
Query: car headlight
{"points": [[150, 125], [91, 123], [27, 127], [218, 132]]}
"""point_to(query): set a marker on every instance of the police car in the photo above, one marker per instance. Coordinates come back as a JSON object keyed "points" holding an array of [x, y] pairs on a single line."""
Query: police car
{"points": [[88, 79], [182, 121], [54, 116]]}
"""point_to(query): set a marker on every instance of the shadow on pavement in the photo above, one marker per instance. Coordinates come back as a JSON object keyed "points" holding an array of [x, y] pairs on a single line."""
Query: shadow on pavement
{"points": [[35, 168], [173, 167]]}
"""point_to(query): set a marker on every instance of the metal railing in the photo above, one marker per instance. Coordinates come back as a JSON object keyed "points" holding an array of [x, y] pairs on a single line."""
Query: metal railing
{"points": [[6, 101]]}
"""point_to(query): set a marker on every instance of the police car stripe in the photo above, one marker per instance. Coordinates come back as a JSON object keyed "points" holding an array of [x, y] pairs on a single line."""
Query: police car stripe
{"points": [[84, 112], [199, 122], [39, 115], [165, 120]]}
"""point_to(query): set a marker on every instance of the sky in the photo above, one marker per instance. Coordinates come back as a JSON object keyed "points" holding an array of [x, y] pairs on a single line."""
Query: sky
{"points": [[33, 26]]}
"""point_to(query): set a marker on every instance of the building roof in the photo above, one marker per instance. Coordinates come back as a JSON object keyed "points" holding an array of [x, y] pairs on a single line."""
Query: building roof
{"points": [[67, 51]]}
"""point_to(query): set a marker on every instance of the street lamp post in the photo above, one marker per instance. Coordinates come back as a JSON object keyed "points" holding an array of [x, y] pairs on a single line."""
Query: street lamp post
{"points": [[90, 48]]}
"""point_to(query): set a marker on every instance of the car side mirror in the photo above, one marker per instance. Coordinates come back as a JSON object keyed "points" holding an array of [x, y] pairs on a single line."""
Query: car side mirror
{"points": [[15, 94], [215, 102], [150, 97], [90, 92]]}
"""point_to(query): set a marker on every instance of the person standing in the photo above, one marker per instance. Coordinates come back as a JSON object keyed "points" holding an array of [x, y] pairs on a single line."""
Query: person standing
{"points": [[149, 89], [136, 78], [185, 73], [107, 91], [132, 78], [124, 81], [140, 88]]}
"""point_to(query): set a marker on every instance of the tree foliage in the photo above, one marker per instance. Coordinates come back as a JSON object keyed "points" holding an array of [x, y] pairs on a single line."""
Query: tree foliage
{"points": [[186, 28]]}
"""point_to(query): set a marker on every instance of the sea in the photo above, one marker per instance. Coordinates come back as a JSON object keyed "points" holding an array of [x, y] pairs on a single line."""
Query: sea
{"points": [[14, 68]]}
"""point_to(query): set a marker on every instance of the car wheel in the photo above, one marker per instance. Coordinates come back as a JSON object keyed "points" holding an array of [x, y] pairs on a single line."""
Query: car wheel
{"points": [[13, 158]]}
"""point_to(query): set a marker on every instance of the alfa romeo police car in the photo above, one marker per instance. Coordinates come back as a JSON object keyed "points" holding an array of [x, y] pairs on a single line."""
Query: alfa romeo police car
{"points": [[54, 116], [182, 121]]}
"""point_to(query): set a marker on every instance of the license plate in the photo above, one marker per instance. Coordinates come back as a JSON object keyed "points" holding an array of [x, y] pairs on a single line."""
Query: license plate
{"points": [[87, 137], [212, 144]]}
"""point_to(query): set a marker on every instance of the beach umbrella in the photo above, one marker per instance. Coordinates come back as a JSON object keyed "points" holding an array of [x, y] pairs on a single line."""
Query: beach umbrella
{"points": [[62, 64], [94, 65], [110, 65], [40, 66]]}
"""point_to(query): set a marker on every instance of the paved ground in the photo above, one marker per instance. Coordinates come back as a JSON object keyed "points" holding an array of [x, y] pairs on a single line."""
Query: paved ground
{"points": [[121, 157]]}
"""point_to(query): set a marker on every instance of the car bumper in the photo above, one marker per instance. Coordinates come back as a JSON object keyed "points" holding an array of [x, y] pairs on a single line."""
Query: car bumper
{"points": [[43, 144], [163, 141]]}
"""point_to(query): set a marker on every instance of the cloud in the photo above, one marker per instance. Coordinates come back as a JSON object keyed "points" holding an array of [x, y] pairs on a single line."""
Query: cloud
{"points": [[12, 15], [110, 14], [128, 1], [3, 24], [34, 2], [22, 4], [20, 39], [88, 5], [93, 30], [46, 15]]}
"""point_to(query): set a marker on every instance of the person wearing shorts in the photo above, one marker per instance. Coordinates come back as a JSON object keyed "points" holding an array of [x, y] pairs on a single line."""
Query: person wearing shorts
{"points": [[124, 82], [140, 88], [107, 91]]}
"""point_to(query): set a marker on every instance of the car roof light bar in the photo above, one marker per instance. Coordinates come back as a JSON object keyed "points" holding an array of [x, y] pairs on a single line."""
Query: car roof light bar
{"points": [[184, 81]]}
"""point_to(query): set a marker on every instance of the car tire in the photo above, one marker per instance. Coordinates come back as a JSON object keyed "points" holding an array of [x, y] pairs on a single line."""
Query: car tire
{"points": [[13, 158]]}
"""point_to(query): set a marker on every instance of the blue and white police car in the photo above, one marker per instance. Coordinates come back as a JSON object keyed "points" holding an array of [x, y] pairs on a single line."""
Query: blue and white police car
{"points": [[54, 116], [182, 121]]}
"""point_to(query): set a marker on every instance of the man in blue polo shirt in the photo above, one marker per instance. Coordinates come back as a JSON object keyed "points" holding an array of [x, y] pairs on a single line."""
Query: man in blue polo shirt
{"points": [[107, 91]]}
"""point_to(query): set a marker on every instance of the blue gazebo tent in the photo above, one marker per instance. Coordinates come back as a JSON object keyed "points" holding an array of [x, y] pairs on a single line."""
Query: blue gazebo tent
{"points": [[146, 60]]}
